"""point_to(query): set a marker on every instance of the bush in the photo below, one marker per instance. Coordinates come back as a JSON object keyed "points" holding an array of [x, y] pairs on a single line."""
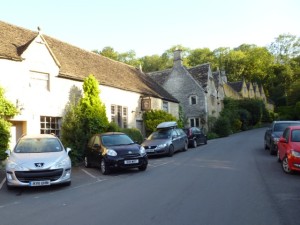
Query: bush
{"points": [[4, 140], [222, 127], [154, 117], [211, 135], [134, 134]]}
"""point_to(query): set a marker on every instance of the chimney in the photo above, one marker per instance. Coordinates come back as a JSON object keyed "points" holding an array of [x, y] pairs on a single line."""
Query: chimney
{"points": [[177, 58]]}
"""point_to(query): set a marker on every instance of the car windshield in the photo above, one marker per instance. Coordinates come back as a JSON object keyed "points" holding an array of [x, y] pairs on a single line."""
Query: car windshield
{"points": [[38, 145], [160, 134], [296, 136], [279, 127], [120, 139]]}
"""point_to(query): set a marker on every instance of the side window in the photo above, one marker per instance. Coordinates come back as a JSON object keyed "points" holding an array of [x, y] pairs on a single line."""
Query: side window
{"points": [[286, 134]]}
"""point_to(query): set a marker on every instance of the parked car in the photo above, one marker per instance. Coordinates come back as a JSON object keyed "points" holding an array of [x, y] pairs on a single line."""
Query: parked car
{"points": [[114, 150], [195, 136], [289, 149], [274, 132], [166, 140], [38, 160]]}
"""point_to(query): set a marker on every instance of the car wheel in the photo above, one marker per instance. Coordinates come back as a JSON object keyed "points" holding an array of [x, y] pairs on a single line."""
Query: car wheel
{"points": [[86, 162], [143, 167], [272, 151], [171, 151], [103, 167], [194, 144], [186, 145], [205, 142], [266, 146], [285, 165]]}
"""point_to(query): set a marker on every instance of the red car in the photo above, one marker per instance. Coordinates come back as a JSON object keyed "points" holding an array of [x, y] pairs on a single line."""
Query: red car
{"points": [[289, 149]]}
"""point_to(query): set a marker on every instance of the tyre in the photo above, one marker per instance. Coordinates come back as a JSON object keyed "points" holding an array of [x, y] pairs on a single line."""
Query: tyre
{"points": [[143, 168], [194, 144], [265, 145], [86, 162], [272, 150], [285, 165], [205, 142], [171, 151], [103, 167], [186, 145]]}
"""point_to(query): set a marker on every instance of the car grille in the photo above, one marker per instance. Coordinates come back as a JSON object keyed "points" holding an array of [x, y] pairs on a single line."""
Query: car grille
{"points": [[132, 155], [149, 147], [26, 176]]}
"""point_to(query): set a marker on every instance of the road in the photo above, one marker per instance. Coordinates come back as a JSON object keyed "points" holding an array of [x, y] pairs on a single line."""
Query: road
{"points": [[229, 181]]}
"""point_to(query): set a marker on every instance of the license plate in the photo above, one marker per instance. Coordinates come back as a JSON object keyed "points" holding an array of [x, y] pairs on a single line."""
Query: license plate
{"points": [[39, 183], [149, 150], [133, 161]]}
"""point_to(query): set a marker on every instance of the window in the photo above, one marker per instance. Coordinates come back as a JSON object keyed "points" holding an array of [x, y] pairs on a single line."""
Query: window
{"points": [[50, 125], [119, 115], [39, 81], [194, 122], [193, 100], [165, 106]]}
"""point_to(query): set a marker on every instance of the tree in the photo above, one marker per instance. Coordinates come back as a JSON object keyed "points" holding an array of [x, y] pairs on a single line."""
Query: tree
{"points": [[108, 52], [200, 56], [84, 116], [285, 47], [7, 110]]}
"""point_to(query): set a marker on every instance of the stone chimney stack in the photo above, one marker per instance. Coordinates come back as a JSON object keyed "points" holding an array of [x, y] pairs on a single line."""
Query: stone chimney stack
{"points": [[177, 58]]}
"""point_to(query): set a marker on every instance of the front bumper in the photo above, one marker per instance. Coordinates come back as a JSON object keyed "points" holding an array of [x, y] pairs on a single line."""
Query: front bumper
{"points": [[123, 163], [45, 177], [154, 150]]}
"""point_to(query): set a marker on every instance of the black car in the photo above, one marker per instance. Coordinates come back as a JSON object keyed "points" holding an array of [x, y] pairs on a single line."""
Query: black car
{"points": [[195, 136], [167, 140], [274, 132], [114, 150]]}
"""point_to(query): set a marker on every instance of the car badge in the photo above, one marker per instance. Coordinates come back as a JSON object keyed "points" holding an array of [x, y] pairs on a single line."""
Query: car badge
{"points": [[39, 165], [129, 152]]}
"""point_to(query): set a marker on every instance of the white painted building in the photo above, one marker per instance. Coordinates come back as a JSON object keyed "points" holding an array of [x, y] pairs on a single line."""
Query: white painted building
{"points": [[38, 72]]}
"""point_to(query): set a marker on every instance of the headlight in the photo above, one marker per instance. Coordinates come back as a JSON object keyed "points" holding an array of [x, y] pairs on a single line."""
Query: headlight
{"points": [[276, 140], [142, 150], [13, 166], [111, 152], [63, 163], [295, 153], [161, 146]]}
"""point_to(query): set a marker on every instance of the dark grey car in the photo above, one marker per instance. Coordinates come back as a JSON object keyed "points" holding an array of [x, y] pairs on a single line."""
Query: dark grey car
{"points": [[166, 142]]}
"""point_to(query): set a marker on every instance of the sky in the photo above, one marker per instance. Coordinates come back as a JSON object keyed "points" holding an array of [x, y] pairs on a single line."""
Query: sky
{"points": [[150, 27]]}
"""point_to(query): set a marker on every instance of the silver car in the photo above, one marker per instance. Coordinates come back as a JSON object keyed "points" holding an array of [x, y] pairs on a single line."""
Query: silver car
{"points": [[38, 160]]}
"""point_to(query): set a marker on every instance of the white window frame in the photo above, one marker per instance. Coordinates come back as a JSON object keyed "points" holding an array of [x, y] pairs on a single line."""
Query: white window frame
{"points": [[39, 80]]}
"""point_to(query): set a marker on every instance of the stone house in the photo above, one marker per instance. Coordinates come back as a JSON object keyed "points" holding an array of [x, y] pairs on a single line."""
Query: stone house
{"points": [[195, 89], [39, 72]]}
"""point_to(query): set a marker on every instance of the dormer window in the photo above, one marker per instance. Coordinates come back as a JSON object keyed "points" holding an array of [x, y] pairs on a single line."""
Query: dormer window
{"points": [[193, 100]]}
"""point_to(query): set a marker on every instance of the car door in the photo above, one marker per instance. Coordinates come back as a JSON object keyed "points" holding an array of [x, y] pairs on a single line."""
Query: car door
{"points": [[283, 146], [175, 140], [89, 149]]}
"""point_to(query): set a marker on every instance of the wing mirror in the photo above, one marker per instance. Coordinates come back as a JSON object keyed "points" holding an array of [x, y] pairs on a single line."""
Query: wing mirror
{"points": [[68, 150]]}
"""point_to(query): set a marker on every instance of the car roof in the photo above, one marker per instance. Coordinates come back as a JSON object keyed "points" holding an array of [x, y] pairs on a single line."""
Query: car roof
{"points": [[111, 133], [38, 136], [286, 121], [294, 127], [168, 124]]}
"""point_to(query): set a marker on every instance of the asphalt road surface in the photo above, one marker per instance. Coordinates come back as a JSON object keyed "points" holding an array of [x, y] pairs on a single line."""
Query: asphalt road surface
{"points": [[229, 181]]}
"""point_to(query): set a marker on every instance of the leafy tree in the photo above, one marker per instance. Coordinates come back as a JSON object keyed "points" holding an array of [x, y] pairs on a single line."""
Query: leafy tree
{"points": [[285, 47], [84, 117], [108, 52], [200, 56], [7, 110]]}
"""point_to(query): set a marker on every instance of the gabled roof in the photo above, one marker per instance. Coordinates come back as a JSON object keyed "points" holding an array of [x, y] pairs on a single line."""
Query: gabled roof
{"points": [[237, 86], [76, 63], [160, 76], [200, 74]]}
